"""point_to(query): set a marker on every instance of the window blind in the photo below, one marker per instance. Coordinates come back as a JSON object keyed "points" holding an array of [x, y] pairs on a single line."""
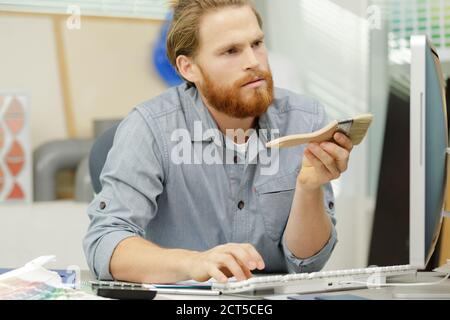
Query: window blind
{"points": [[146, 9]]}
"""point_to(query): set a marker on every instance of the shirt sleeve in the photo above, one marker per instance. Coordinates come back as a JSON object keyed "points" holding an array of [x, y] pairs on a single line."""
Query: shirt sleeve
{"points": [[318, 261], [131, 179]]}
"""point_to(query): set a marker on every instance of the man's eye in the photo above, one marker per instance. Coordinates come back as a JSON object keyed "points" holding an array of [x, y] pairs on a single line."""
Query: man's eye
{"points": [[231, 51], [257, 43]]}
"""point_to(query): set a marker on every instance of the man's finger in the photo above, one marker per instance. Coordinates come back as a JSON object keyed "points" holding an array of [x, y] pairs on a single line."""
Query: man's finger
{"points": [[231, 264], [327, 160], [317, 164], [340, 154], [243, 256], [248, 274], [218, 275], [343, 141], [255, 254]]}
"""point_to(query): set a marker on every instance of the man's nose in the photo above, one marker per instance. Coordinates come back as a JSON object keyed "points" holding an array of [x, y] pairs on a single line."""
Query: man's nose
{"points": [[250, 62]]}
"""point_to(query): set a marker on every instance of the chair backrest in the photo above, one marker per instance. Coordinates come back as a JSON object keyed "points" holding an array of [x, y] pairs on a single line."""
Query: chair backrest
{"points": [[98, 154]]}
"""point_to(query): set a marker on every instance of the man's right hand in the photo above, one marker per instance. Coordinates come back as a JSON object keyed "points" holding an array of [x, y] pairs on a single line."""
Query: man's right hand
{"points": [[224, 261]]}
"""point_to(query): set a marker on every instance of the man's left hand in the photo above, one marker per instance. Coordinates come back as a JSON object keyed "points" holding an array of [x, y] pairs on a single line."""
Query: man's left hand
{"points": [[324, 162]]}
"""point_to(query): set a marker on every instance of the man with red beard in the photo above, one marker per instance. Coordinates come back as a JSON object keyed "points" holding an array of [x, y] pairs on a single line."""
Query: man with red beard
{"points": [[158, 220]]}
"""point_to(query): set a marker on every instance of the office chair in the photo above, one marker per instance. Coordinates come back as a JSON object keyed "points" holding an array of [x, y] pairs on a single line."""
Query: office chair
{"points": [[98, 154]]}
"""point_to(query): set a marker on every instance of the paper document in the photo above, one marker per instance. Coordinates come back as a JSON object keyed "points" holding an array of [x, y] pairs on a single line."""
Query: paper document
{"points": [[34, 282]]}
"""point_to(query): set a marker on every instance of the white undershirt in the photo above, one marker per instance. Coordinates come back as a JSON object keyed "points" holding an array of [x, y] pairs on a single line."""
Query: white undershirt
{"points": [[241, 148]]}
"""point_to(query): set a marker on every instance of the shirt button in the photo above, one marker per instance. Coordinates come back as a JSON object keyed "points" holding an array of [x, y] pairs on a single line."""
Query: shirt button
{"points": [[102, 205], [241, 205], [331, 205]]}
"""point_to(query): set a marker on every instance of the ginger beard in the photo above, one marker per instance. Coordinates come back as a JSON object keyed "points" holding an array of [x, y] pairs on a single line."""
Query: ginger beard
{"points": [[238, 101]]}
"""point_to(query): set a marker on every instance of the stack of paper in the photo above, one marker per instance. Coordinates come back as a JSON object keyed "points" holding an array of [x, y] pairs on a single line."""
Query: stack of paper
{"points": [[34, 282]]}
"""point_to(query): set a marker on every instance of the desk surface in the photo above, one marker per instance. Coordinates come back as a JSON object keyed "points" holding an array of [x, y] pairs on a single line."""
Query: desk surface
{"points": [[384, 293]]}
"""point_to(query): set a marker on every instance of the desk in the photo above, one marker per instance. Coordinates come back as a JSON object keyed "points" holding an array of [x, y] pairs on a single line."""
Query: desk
{"points": [[386, 293]]}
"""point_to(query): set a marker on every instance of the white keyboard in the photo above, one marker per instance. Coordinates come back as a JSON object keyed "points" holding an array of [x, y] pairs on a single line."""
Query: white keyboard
{"points": [[315, 282]]}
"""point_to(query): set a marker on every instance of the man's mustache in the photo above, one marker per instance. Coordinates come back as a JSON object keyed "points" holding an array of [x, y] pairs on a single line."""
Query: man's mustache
{"points": [[254, 76]]}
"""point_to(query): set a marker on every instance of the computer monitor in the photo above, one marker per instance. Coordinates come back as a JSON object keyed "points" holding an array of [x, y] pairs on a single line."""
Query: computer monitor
{"points": [[428, 151]]}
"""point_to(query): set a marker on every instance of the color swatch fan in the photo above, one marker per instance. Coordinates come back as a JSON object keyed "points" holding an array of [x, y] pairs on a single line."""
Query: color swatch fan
{"points": [[15, 149]]}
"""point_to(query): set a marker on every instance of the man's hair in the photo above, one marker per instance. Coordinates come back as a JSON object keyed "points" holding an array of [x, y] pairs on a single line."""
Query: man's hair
{"points": [[183, 35]]}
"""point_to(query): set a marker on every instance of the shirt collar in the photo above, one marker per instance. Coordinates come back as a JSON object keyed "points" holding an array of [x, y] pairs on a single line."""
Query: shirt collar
{"points": [[199, 120]]}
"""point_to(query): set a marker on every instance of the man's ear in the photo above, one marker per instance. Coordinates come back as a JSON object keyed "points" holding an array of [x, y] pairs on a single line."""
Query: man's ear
{"points": [[187, 68]]}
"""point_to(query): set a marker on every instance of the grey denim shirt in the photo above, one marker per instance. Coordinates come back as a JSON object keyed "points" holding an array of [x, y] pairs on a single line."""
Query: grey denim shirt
{"points": [[200, 205]]}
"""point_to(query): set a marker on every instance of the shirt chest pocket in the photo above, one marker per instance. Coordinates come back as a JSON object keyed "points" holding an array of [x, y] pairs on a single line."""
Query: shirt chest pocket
{"points": [[274, 200]]}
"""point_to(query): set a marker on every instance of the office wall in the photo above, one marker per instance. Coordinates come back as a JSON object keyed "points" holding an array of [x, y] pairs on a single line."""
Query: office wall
{"points": [[28, 63], [110, 68], [100, 71]]}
